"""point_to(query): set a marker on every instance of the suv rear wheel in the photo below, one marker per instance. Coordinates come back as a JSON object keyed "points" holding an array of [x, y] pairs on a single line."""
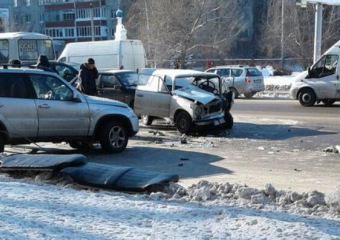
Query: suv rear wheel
{"points": [[184, 122], [249, 95], [2, 144], [328, 102], [113, 137]]}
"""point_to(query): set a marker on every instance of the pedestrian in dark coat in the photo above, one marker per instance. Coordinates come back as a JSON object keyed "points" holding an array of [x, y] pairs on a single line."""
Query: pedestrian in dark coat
{"points": [[87, 78]]}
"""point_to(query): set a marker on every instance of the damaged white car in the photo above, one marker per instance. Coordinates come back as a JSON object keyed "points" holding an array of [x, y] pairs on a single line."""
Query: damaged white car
{"points": [[188, 98]]}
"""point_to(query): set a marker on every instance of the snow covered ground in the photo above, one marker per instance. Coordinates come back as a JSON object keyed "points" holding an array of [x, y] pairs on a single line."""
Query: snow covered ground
{"points": [[37, 210]]}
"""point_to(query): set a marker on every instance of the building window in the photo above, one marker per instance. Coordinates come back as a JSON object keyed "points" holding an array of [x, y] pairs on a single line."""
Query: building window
{"points": [[42, 17], [15, 3], [113, 30], [28, 18], [68, 15], [28, 3], [113, 13]]}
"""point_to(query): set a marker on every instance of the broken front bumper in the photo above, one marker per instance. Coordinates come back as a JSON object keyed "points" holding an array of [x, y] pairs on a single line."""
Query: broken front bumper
{"points": [[214, 120]]}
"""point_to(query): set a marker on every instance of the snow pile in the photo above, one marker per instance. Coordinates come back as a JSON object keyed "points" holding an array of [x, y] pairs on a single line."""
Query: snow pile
{"points": [[311, 203], [206, 210]]}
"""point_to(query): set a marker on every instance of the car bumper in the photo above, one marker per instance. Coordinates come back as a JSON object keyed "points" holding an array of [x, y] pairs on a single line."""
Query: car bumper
{"points": [[215, 120], [255, 88]]}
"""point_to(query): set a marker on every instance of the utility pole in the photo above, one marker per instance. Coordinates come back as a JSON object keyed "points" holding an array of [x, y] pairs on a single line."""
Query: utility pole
{"points": [[282, 33], [92, 25], [318, 31]]}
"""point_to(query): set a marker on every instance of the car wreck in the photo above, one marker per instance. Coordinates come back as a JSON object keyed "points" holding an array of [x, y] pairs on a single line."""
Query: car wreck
{"points": [[188, 98]]}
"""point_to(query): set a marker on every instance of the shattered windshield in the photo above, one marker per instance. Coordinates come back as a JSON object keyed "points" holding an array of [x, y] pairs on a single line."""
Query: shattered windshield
{"points": [[211, 85], [128, 78]]}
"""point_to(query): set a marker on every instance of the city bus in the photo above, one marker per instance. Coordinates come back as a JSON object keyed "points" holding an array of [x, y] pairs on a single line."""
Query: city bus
{"points": [[25, 46]]}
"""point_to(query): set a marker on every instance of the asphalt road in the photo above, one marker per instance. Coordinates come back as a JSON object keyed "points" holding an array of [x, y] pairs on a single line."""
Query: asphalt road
{"points": [[287, 109]]}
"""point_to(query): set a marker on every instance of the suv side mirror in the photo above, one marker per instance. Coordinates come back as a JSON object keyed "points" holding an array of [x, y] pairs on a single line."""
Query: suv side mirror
{"points": [[76, 97], [309, 72]]}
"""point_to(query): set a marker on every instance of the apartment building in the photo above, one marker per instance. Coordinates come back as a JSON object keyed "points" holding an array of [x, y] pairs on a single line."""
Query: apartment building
{"points": [[66, 20]]}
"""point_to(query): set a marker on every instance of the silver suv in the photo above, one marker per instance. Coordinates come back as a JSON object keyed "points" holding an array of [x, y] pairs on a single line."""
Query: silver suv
{"points": [[39, 106], [246, 80]]}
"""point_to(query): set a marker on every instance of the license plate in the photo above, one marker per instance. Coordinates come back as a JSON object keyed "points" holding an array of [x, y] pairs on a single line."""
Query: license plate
{"points": [[258, 81]]}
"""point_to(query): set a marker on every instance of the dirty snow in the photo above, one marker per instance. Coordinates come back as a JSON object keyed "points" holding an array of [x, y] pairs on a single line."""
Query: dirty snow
{"points": [[37, 210]]}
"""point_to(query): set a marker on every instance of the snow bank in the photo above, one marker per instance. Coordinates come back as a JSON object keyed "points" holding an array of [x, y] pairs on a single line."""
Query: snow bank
{"points": [[35, 210]]}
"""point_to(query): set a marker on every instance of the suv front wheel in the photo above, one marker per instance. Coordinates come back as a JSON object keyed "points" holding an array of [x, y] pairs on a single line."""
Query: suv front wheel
{"points": [[113, 137]]}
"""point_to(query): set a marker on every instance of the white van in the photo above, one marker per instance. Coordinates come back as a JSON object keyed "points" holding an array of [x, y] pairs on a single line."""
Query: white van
{"points": [[321, 83], [108, 54], [25, 46]]}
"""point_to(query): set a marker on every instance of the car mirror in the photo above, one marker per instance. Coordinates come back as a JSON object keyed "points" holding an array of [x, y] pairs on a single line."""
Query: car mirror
{"points": [[309, 72], [76, 97]]}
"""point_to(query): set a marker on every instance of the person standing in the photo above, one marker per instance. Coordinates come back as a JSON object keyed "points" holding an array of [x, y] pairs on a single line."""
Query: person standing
{"points": [[87, 78]]}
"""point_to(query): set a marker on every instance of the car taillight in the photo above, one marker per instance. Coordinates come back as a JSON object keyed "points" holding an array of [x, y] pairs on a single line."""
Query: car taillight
{"points": [[248, 80]]}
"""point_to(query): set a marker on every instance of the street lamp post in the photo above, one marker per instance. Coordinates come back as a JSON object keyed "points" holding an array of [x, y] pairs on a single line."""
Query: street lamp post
{"points": [[318, 31]]}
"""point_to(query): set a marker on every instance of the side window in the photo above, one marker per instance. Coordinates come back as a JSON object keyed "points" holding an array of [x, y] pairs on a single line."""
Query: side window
{"points": [[211, 71], [223, 72], [50, 88], [163, 86], [153, 83], [325, 66], [236, 72], [65, 72], [254, 72], [4, 51], [13, 86], [108, 81]]}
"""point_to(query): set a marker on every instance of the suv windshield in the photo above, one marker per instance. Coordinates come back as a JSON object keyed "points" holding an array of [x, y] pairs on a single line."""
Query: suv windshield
{"points": [[128, 78], [211, 84]]}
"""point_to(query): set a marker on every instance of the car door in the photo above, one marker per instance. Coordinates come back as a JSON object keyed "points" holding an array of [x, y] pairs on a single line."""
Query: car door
{"points": [[17, 106], [153, 99], [108, 86], [324, 77], [58, 114]]}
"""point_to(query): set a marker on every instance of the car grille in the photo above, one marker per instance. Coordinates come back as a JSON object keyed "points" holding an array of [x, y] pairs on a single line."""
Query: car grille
{"points": [[215, 108]]}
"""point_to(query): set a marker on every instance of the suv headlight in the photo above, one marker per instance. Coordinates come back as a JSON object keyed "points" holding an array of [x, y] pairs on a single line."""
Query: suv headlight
{"points": [[198, 111]]}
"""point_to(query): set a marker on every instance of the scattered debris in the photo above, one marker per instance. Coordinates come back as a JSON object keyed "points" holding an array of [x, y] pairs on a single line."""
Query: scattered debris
{"points": [[261, 148], [332, 149], [184, 139], [180, 165], [184, 159], [297, 170]]}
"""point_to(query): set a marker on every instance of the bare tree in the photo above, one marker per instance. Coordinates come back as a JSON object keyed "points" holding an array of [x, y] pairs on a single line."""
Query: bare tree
{"points": [[179, 28], [298, 30]]}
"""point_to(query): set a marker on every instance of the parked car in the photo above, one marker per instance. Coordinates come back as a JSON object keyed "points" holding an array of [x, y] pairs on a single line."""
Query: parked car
{"points": [[67, 71], [40, 106], [321, 82], [189, 98], [246, 80], [119, 85]]}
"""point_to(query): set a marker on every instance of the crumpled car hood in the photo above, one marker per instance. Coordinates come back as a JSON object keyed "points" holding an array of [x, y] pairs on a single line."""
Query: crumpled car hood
{"points": [[104, 101], [194, 93]]}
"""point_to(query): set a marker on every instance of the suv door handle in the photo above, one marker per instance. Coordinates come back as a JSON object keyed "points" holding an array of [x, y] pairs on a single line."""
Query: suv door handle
{"points": [[140, 95], [44, 106]]}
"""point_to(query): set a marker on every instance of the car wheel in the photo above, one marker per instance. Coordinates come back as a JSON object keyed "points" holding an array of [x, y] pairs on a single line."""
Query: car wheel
{"points": [[249, 95], [113, 137], [2, 144], [235, 92], [184, 122], [229, 120], [80, 145], [307, 97], [147, 120], [328, 102]]}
